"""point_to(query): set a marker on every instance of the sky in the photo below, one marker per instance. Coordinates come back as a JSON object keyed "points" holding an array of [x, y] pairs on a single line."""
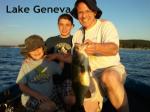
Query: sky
{"points": [[131, 18]]}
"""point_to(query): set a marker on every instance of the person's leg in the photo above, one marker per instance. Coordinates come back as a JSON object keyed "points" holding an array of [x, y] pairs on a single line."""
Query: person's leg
{"points": [[68, 95], [57, 98], [32, 104], [113, 82], [95, 102], [48, 106], [69, 101], [91, 106]]}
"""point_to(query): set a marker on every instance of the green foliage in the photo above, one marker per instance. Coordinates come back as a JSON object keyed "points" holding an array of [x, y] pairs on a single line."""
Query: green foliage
{"points": [[135, 44]]}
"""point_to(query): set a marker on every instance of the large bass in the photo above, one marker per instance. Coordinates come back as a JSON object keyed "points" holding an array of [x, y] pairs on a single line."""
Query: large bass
{"points": [[82, 78]]}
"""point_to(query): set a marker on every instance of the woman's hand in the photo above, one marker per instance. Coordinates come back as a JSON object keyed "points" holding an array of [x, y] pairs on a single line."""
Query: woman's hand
{"points": [[90, 47]]}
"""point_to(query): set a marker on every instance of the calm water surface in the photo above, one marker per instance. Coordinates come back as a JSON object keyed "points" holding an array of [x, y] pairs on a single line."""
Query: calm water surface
{"points": [[137, 64]]}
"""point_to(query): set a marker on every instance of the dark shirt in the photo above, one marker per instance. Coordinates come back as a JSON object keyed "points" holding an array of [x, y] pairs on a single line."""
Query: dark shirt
{"points": [[57, 44]]}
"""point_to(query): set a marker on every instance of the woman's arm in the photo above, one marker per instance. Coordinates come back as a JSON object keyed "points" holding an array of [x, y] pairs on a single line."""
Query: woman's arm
{"points": [[105, 49]]}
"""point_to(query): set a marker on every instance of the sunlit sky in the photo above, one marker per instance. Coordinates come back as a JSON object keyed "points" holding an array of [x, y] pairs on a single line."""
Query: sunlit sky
{"points": [[131, 18]]}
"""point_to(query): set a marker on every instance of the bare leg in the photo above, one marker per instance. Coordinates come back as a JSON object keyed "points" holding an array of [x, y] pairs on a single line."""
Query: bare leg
{"points": [[94, 104], [48, 106], [115, 90], [91, 106], [69, 101]]}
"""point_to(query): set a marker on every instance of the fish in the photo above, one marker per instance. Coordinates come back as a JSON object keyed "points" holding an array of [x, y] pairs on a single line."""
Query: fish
{"points": [[85, 84], [80, 74]]}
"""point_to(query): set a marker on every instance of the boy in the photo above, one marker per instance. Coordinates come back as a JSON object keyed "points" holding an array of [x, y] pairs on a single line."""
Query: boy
{"points": [[35, 77], [61, 45]]}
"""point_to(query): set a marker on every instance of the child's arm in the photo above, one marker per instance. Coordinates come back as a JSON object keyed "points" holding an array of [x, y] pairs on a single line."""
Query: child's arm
{"points": [[60, 57], [25, 89], [65, 58]]}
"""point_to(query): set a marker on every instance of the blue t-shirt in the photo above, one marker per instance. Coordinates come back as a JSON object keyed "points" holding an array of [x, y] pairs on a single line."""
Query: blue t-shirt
{"points": [[37, 75]]}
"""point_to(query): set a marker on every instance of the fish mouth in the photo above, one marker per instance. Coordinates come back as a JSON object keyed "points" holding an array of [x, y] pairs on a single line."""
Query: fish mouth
{"points": [[88, 94]]}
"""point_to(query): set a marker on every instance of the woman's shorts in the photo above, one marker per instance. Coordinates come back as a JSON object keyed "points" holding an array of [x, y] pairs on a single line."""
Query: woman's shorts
{"points": [[120, 69]]}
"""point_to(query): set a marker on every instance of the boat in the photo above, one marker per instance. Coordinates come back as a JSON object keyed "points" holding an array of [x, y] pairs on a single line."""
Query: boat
{"points": [[10, 100], [138, 98]]}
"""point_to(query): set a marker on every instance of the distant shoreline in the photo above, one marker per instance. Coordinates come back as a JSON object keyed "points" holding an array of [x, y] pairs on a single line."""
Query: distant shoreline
{"points": [[120, 48], [124, 44], [135, 48], [8, 46]]}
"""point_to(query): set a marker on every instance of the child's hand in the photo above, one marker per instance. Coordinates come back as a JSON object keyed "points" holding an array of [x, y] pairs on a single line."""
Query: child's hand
{"points": [[27, 60], [41, 98], [51, 57], [61, 64]]}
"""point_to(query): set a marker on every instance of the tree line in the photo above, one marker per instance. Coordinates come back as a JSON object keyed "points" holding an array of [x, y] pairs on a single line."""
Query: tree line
{"points": [[133, 43], [145, 44]]}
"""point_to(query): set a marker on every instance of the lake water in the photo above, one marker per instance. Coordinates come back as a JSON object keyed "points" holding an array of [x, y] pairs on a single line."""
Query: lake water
{"points": [[137, 64]]}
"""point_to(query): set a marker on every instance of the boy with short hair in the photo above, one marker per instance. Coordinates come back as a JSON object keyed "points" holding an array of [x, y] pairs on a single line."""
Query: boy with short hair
{"points": [[60, 46]]}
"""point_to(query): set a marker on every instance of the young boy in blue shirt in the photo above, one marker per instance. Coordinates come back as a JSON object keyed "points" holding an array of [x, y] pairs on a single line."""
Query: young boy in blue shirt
{"points": [[35, 77]]}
